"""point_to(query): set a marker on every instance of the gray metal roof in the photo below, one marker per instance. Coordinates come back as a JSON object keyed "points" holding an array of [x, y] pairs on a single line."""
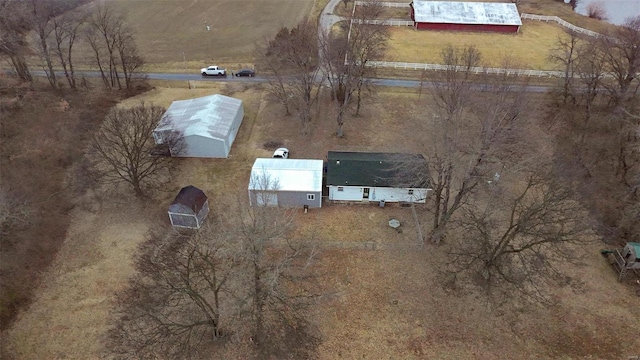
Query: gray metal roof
{"points": [[290, 174], [209, 116], [453, 12]]}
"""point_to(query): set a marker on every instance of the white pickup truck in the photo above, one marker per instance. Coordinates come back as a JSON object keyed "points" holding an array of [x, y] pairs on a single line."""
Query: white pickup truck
{"points": [[213, 71]]}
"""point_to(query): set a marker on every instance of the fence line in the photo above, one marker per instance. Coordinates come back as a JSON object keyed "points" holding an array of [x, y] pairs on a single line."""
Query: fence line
{"points": [[386, 4], [566, 24], [477, 70], [386, 22], [545, 18]]}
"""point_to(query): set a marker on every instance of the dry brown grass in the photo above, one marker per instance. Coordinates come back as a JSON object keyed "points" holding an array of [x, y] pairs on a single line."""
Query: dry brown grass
{"points": [[562, 10], [387, 304], [167, 29], [529, 48]]}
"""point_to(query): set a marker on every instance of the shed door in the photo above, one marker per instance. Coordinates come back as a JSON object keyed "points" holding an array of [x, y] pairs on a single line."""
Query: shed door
{"points": [[268, 198]]}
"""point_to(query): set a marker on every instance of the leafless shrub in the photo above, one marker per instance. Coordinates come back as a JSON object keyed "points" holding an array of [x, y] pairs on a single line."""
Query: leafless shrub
{"points": [[595, 10]]}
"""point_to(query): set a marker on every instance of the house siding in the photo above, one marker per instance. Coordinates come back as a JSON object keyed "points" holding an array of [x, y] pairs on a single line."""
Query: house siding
{"points": [[292, 198], [349, 193], [355, 193]]}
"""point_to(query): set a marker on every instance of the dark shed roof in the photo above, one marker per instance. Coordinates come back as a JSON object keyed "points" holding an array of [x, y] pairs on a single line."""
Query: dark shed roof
{"points": [[377, 169], [189, 198]]}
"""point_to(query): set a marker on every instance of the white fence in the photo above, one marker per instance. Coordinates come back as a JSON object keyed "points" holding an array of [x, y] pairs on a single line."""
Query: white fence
{"points": [[387, 22], [566, 24], [477, 70], [386, 4]]}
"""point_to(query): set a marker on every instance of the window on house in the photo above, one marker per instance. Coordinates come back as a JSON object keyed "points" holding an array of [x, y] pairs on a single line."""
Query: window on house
{"points": [[311, 196], [340, 188], [410, 191]]}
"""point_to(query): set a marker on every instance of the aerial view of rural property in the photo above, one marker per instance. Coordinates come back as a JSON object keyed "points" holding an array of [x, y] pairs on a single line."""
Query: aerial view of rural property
{"points": [[319, 179]]}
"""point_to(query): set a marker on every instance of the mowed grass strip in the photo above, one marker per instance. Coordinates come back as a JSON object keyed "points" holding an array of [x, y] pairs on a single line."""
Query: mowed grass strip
{"points": [[529, 48]]}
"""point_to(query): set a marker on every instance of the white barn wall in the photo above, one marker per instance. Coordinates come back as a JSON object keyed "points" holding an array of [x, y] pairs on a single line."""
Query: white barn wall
{"points": [[235, 127], [200, 146]]}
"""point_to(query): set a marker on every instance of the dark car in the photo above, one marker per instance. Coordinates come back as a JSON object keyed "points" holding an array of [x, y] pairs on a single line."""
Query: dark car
{"points": [[246, 72]]}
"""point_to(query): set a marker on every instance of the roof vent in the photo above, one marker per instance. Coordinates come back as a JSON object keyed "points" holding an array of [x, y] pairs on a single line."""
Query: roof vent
{"points": [[337, 162]]}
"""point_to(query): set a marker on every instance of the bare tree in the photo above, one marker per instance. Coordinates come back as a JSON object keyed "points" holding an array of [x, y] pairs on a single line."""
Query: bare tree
{"points": [[595, 10], [292, 55], [566, 54], [346, 57], [123, 147], [621, 50], [590, 66], [280, 283], [14, 26], [514, 231], [113, 47], [574, 4], [41, 14], [66, 29], [452, 95], [179, 303], [240, 280]]}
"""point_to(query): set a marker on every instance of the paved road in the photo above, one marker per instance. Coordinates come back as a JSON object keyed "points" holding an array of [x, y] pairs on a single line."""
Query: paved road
{"points": [[262, 79], [327, 20]]}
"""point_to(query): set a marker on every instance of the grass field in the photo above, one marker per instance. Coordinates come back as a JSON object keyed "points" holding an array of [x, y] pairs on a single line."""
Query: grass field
{"points": [[529, 48], [172, 31]]}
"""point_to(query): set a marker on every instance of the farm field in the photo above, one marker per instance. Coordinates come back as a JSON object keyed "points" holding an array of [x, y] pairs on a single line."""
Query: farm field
{"points": [[184, 44], [387, 303], [175, 31]]}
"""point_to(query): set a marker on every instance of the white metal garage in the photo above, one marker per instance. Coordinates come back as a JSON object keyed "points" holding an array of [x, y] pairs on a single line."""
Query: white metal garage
{"points": [[206, 126], [286, 183]]}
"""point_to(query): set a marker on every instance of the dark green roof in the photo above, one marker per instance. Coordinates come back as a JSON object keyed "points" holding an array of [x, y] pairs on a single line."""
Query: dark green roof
{"points": [[377, 169]]}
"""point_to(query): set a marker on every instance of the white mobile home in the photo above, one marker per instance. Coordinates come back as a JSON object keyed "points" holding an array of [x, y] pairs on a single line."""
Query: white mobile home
{"points": [[205, 127], [381, 177], [286, 182]]}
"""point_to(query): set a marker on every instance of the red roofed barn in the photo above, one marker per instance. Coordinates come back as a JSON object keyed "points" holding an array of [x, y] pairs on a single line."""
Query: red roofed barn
{"points": [[465, 16]]}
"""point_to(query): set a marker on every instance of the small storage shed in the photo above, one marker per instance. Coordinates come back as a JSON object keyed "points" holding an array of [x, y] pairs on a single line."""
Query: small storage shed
{"points": [[465, 16], [381, 177], [189, 208], [206, 126], [286, 182]]}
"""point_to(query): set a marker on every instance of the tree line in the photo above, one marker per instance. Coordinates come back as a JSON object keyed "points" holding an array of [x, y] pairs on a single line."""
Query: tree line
{"points": [[47, 34]]}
